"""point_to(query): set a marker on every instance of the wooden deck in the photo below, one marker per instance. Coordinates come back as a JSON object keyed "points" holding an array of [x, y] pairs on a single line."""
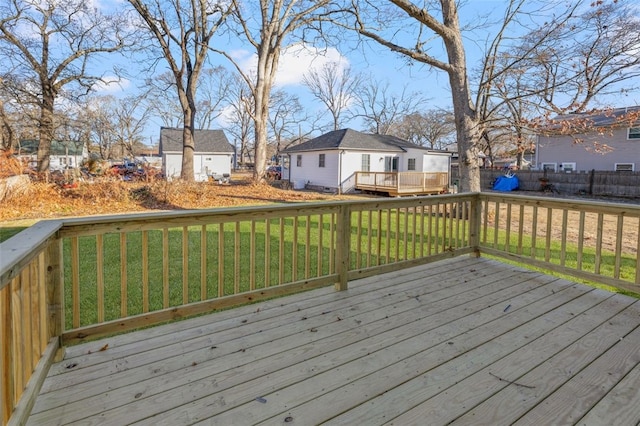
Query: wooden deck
{"points": [[468, 341]]}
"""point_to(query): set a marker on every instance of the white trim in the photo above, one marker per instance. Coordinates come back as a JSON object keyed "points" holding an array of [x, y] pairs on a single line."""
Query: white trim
{"points": [[568, 167], [550, 166], [626, 167]]}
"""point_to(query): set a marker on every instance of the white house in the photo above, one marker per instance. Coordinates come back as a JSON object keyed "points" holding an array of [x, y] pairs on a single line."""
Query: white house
{"points": [[213, 155], [62, 154], [607, 140], [330, 161]]}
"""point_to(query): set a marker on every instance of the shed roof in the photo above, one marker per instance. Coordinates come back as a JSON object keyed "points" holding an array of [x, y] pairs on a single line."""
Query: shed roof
{"points": [[209, 141], [352, 139]]}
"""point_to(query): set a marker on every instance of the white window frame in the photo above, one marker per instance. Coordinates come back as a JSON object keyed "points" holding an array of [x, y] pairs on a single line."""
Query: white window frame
{"points": [[633, 133], [568, 167], [366, 163], [625, 167], [299, 160], [549, 166], [410, 166], [321, 160]]}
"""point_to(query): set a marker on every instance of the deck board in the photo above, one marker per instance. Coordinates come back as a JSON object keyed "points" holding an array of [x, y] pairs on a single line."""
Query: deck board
{"points": [[466, 340]]}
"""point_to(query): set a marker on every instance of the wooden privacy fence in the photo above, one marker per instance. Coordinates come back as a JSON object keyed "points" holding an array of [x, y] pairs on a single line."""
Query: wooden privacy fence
{"points": [[595, 182], [69, 280]]}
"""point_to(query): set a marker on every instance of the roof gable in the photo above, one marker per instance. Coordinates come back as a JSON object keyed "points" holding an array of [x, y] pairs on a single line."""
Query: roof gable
{"points": [[352, 139], [204, 140]]}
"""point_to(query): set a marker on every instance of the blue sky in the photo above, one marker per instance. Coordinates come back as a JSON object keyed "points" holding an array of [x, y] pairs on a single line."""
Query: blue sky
{"points": [[370, 59]]}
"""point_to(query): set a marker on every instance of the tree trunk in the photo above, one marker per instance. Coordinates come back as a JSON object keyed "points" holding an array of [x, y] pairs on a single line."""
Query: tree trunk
{"points": [[187, 101], [45, 132], [465, 117], [187, 173]]}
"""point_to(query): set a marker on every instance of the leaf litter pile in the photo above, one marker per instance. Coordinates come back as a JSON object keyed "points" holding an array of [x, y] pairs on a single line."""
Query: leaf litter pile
{"points": [[108, 196]]}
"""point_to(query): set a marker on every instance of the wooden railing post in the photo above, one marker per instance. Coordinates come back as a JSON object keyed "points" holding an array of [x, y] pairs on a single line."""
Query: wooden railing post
{"points": [[475, 217], [55, 293], [343, 240], [6, 354]]}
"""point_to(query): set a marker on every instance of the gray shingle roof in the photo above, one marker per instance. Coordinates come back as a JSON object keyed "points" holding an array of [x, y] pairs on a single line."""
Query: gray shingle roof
{"points": [[206, 141], [606, 118], [351, 139]]}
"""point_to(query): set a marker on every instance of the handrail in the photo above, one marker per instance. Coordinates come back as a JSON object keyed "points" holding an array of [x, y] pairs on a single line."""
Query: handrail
{"points": [[583, 239], [72, 279]]}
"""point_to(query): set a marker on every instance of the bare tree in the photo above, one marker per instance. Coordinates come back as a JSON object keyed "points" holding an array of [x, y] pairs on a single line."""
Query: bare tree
{"points": [[183, 30], [446, 30], [269, 27], [335, 86], [212, 91], [591, 55], [433, 129], [162, 99], [381, 108], [238, 117], [285, 115], [560, 67], [53, 43]]}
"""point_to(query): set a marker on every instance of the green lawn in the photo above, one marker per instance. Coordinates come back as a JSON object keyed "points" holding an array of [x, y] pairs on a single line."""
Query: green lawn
{"points": [[287, 241]]}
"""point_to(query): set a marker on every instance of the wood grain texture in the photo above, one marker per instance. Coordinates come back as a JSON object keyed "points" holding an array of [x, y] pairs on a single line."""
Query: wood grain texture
{"points": [[464, 340]]}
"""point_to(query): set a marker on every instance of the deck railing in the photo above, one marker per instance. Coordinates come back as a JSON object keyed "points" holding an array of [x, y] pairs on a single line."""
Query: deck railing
{"points": [[593, 241], [398, 183], [75, 279]]}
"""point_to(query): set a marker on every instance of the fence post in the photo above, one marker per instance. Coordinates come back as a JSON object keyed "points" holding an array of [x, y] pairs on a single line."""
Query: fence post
{"points": [[475, 216], [343, 240], [54, 290]]}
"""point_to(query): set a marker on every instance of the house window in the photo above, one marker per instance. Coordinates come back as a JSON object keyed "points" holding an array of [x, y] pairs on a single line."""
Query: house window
{"points": [[321, 160], [366, 163], [634, 133], [390, 164], [624, 167], [568, 167], [411, 164], [299, 160], [550, 167]]}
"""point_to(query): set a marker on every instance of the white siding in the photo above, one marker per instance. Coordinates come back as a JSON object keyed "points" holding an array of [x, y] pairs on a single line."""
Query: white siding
{"points": [[202, 163], [310, 173], [352, 163], [341, 175]]}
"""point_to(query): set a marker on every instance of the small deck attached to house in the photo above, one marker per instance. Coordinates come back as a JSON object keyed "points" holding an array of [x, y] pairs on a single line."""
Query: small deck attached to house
{"points": [[464, 340], [396, 184]]}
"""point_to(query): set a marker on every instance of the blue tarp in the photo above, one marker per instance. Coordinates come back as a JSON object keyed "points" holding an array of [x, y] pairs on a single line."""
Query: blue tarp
{"points": [[506, 183]]}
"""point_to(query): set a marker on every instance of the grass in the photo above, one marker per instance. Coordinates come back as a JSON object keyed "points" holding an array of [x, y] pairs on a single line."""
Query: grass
{"points": [[588, 263], [289, 250]]}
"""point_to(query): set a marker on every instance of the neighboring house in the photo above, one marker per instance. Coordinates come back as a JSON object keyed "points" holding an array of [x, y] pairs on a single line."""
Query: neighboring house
{"points": [[608, 140], [330, 161], [63, 154], [213, 155]]}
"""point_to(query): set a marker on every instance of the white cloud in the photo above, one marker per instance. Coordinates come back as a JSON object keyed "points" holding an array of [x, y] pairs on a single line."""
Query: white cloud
{"points": [[295, 61], [111, 85]]}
